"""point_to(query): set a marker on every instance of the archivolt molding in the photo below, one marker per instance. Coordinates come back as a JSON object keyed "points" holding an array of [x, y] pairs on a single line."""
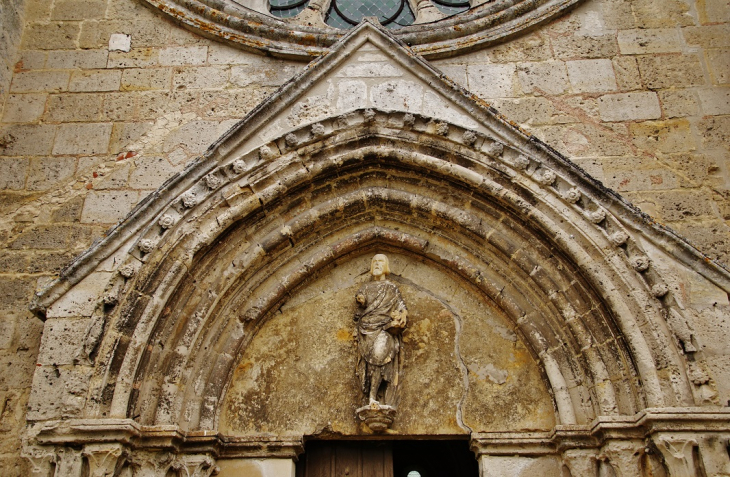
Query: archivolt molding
{"points": [[577, 236], [306, 36], [524, 245]]}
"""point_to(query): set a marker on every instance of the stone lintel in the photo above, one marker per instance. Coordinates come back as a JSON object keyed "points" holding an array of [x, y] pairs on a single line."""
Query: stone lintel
{"points": [[512, 443], [129, 433], [695, 423], [262, 447], [87, 431]]}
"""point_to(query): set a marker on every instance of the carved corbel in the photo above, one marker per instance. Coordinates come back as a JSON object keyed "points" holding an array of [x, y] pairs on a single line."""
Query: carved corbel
{"points": [[681, 329], [677, 452], [92, 338], [624, 457], [675, 313], [97, 323], [104, 459], [196, 465], [41, 460], [705, 391], [581, 462]]}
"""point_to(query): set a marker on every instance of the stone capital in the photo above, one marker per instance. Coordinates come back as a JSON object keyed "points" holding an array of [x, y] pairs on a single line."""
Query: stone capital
{"points": [[104, 459], [624, 456], [583, 462], [41, 459], [677, 450], [196, 465]]}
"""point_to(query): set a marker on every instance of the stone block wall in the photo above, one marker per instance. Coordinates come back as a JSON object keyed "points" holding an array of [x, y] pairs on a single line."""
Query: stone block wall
{"points": [[635, 92], [11, 28], [106, 99], [87, 130]]}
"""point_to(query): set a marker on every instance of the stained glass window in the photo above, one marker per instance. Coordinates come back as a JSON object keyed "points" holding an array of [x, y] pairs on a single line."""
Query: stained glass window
{"points": [[345, 14], [287, 8], [392, 14], [451, 7]]}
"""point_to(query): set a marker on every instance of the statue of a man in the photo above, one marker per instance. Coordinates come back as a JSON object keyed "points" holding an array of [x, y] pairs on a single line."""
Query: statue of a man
{"points": [[380, 317]]}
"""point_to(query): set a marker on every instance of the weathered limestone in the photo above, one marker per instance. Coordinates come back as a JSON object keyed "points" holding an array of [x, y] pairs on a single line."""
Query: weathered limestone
{"points": [[581, 461], [256, 467], [338, 184], [624, 457], [161, 102], [678, 453], [12, 28], [629, 106]]}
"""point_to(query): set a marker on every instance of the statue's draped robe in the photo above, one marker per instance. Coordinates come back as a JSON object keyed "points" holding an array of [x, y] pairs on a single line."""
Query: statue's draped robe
{"points": [[378, 348]]}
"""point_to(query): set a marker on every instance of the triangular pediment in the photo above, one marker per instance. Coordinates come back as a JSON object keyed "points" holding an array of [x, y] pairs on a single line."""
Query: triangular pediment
{"points": [[368, 69]]}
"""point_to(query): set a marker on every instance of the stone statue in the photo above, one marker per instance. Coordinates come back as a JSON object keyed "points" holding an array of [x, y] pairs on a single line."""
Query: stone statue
{"points": [[380, 317]]}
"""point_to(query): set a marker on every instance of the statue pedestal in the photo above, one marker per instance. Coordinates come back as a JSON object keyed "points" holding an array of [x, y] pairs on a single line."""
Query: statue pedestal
{"points": [[377, 417]]}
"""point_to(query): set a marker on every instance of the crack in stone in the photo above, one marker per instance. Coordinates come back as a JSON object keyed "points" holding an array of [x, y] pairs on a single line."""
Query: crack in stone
{"points": [[457, 347], [464, 372]]}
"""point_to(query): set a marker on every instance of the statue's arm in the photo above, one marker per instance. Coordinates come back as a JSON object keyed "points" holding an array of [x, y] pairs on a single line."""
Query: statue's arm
{"points": [[399, 315], [360, 300], [402, 310]]}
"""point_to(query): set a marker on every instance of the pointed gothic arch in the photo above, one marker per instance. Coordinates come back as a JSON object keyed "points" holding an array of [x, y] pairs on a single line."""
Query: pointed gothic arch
{"points": [[352, 195], [181, 288]]}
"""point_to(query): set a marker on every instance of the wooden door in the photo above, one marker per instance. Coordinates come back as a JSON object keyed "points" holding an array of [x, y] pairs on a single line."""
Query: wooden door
{"points": [[426, 458], [346, 459]]}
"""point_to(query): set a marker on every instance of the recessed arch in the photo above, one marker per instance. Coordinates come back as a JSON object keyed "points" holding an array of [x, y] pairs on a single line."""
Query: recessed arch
{"points": [[411, 190]]}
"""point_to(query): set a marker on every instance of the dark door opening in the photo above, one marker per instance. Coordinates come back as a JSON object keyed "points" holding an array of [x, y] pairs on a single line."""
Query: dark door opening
{"points": [[387, 459]]}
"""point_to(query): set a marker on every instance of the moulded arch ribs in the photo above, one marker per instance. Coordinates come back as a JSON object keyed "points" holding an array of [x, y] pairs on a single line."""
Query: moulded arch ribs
{"points": [[379, 189], [458, 223], [458, 187], [369, 242], [453, 219]]}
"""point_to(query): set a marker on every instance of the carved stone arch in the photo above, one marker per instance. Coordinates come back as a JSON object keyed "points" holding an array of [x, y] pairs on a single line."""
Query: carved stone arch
{"points": [[488, 242], [512, 225], [176, 294]]}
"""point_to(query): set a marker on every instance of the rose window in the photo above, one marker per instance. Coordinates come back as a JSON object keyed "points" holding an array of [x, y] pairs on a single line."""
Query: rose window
{"points": [[393, 14], [348, 13], [306, 29]]}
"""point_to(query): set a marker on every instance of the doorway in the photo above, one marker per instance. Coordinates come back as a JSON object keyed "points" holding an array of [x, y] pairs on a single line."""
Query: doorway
{"points": [[387, 459]]}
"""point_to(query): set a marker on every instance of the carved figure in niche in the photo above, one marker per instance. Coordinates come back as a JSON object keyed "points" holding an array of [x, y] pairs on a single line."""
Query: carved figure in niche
{"points": [[381, 316]]}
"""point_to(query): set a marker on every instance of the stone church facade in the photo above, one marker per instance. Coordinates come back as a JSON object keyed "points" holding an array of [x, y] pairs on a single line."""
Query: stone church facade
{"points": [[193, 192]]}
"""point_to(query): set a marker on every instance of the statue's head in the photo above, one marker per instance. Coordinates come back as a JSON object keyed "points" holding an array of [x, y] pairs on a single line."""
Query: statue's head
{"points": [[379, 266]]}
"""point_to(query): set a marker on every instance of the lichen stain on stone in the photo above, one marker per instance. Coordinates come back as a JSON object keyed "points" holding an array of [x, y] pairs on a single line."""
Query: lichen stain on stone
{"points": [[244, 367], [307, 348], [343, 334]]}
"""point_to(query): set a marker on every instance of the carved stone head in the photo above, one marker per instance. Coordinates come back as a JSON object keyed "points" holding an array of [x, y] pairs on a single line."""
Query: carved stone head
{"points": [[379, 266]]}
